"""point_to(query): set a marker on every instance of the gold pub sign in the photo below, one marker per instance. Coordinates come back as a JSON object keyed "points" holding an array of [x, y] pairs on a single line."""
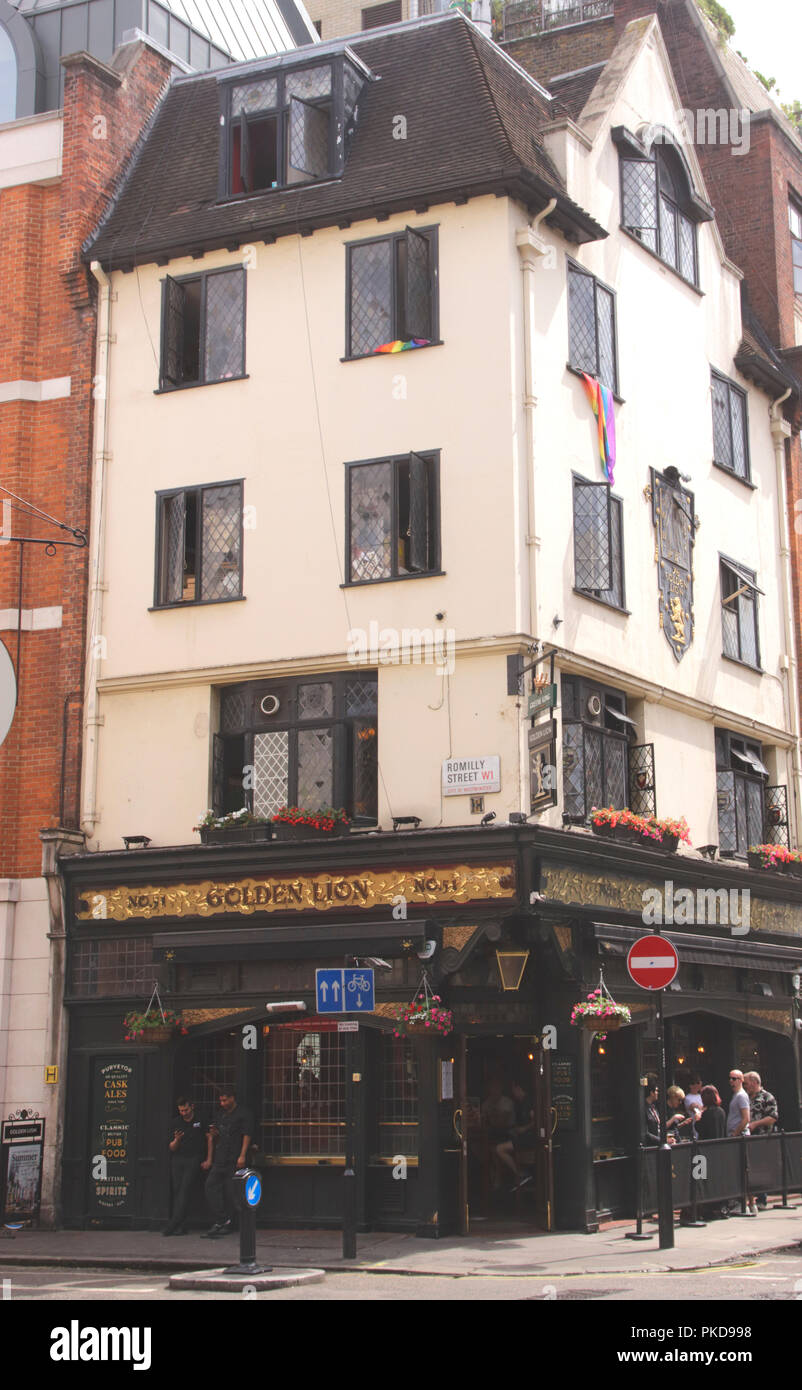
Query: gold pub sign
{"points": [[459, 883]]}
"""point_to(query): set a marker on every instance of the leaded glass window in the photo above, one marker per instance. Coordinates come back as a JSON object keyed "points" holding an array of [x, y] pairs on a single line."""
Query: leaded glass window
{"points": [[598, 542], [591, 327], [595, 748], [309, 741], [741, 789], [739, 613], [392, 291], [653, 194], [730, 436], [199, 544], [392, 509], [203, 328]]}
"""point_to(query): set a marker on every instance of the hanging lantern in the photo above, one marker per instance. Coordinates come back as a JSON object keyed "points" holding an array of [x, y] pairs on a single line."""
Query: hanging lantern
{"points": [[511, 967]]}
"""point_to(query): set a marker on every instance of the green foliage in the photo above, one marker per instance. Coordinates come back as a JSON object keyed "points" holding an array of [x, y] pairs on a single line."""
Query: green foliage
{"points": [[768, 82], [717, 15], [793, 110]]}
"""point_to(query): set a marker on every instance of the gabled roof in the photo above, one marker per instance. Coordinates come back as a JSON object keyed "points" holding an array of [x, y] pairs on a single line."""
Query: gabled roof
{"points": [[474, 123], [746, 90]]}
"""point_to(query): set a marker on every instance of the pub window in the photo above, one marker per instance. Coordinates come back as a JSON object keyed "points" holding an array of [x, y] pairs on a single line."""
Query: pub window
{"points": [[742, 793], [288, 126], [739, 613], [99, 967], [392, 509], [655, 204], [203, 328], [598, 542], [214, 1065], [591, 327], [596, 729], [391, 292], [303, 1092], [398, 1097], [199, 544], [730, 435], [308, 742], [795, 223]]}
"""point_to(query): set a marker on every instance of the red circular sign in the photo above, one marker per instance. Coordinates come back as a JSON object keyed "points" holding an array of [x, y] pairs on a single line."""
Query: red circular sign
{"points": [[652, 962]]}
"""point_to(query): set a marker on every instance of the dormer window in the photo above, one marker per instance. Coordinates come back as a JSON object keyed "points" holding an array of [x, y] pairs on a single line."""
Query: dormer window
{"points": [[288, 126], [658, 203]]}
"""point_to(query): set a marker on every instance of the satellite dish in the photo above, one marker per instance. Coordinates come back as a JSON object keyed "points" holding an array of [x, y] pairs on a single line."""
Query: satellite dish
{"points": [[8, 692]]}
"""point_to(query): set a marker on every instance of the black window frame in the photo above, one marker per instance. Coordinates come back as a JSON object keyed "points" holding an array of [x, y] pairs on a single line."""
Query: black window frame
{"points": [[164, 495], [574, 268], [680, 206], [740, 575], [431, 457], [574, 694], [732, 389], [396, 308], [731, 757], [342, 122], [287, 718], [201, 277], [614, 502]]}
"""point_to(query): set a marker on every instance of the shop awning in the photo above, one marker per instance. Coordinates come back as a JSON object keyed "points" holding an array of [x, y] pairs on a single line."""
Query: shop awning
{"points": [[706, 950], [298, 942]]}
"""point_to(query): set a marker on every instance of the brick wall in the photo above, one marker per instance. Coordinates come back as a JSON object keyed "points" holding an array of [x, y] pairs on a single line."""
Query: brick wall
{"points": [[49, 331], [564, 50]]}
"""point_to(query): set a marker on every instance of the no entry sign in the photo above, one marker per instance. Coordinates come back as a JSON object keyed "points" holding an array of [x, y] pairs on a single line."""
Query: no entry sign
{"points": [[652, 962]]}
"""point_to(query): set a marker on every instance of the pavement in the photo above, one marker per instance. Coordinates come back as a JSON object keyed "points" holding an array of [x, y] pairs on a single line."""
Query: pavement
{"points": [[497, 1250]]}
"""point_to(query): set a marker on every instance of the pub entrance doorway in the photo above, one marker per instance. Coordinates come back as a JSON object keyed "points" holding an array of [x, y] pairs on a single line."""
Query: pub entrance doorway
{"points": [[514, 1188]]}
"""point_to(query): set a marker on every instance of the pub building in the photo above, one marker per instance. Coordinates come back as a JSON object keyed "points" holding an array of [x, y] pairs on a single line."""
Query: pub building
{"points": [[512, 925]]}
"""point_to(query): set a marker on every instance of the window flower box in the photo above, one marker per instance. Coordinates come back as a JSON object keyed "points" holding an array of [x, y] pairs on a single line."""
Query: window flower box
{"points": [[775, 858], [299, 823], [238, 827]]}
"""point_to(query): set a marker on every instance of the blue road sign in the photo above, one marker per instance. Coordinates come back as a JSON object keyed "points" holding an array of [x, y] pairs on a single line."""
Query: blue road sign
{"points": [[253, 1190], [359, 995], [329, 989]]}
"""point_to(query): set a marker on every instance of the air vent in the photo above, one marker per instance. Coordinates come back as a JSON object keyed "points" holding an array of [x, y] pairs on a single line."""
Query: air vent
{"points": [[270, 704], [594, 706]]}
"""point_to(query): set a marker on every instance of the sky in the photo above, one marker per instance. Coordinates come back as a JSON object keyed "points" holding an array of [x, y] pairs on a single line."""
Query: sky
{"points": [[769, 34]]}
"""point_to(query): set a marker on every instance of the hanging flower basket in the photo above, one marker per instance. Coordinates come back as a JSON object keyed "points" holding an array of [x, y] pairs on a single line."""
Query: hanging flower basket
{"points": [[599, 1013], [424, 1017], [152, 1026], [299, 823]]}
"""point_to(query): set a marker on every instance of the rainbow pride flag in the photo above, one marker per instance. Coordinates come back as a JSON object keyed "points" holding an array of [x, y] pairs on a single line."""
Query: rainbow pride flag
{"points": [[601, 399]]}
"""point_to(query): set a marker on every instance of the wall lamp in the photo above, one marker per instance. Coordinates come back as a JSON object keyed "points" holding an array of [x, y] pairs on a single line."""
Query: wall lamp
{"points": [[511, 967]]}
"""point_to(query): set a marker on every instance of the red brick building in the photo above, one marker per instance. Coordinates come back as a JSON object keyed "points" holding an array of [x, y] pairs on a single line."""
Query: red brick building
{"points": [[57, 172]]}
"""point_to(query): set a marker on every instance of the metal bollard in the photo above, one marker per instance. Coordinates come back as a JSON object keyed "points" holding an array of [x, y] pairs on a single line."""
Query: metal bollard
{"points": [[248, 1194]]}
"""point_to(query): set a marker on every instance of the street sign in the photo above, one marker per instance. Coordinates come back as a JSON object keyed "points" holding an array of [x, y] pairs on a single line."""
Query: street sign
{"points": [[329, 990], [253, 1190], [348, 1025], [359, 992], [345, 991], [652, 962], [544, 698]]}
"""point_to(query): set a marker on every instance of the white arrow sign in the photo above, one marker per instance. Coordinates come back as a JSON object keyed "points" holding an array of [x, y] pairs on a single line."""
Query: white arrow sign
{"points": [[335, 989]]}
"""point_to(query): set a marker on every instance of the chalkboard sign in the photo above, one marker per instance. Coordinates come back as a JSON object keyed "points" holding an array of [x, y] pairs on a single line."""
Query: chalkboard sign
{"points": [[114, 1087], [563, 1091]]}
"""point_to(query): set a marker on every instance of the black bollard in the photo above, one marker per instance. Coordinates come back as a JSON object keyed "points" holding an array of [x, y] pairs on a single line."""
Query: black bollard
{"points": [[248, 1190]]}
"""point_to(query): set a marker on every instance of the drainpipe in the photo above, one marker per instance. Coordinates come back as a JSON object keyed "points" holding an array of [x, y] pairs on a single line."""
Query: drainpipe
{"points": [[780, 431], [531, 249], [97, 542]]}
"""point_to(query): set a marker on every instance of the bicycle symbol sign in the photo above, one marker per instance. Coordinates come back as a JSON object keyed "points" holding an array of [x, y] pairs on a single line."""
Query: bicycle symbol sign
{"points": [[344, 991]]}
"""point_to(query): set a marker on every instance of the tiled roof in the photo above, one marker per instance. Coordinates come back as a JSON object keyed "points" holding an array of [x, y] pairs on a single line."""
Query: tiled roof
{"points": [[571, 90], [473, 126]]}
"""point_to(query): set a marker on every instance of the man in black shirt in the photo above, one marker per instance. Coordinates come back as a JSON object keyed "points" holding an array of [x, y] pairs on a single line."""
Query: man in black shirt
{"points": [[190, 1151], [232, 1133]]}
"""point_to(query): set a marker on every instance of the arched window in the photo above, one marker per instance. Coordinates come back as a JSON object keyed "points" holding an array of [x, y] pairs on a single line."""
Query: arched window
{"points": [[658, 206], [8, 77]]}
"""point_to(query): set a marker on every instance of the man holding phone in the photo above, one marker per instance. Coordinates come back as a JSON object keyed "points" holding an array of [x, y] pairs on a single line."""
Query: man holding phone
{"points": [[232, 1133], [190, 1153]]}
